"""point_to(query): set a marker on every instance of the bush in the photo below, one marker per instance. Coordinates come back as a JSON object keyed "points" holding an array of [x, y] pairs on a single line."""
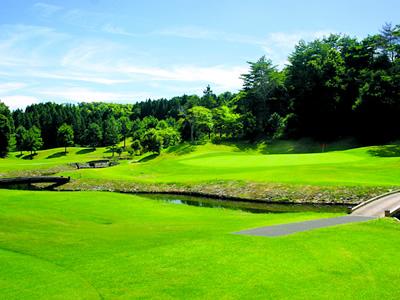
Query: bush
{"points": [[135, 148], [152, 141]]}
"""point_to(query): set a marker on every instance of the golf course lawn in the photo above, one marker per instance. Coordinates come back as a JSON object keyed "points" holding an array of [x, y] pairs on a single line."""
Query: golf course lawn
{"points": [[98, 245], [368, 166], [188, 164], [48, 159]]}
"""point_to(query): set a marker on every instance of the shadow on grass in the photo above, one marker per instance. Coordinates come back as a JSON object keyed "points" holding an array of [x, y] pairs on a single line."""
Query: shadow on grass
{"points": [[109, 150], [182, 149], [86, 151], [307, 145], [385, 151], [29, 156], [56, 155], [304, 145], [148, 157]]}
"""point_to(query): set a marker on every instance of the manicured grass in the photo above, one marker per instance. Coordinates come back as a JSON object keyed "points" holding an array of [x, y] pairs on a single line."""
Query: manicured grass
{"points": [[282, 171], [49, 159], [91, 245], [210, 163]]}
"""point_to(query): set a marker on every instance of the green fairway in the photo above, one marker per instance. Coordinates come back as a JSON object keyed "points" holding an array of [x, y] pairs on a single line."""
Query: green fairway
{"points": [[208, 163], [369, 166], [92, 245], [284, 171], [51, 159]]}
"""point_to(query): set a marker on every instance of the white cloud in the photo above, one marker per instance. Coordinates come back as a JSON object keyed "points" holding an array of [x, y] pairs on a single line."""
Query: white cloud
{"points": [[190, 32], [58, 66], [97, 59], [113, 29], [278, 45], [78, 76], [79, 94], [7, 87], [194, 32], [18, 101], [45, 9], [221, 76], [25, 45]]}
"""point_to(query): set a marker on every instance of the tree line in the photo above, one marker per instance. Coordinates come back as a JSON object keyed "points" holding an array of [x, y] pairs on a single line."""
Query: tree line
{"points": [[331, 88]]}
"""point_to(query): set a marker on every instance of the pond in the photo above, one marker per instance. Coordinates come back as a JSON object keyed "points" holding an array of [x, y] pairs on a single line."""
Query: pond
{"points": [[258, 208]]}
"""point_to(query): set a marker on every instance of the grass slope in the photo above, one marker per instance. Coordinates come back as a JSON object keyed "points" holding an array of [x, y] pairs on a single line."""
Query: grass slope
{"points": [[276, 172], [49, 160], [360, 166], [92, 245]]}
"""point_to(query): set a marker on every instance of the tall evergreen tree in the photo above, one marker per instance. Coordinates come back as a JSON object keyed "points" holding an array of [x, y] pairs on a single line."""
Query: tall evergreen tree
{"points": [[5, 134], [94, 135], [111, 134], [20, 137]]}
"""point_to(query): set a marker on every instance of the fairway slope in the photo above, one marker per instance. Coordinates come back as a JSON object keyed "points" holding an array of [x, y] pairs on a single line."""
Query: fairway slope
{"points": [[342, 176]]}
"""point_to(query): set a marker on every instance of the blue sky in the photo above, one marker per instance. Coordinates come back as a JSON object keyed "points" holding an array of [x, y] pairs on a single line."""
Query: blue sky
{"points": [[127, 51]]}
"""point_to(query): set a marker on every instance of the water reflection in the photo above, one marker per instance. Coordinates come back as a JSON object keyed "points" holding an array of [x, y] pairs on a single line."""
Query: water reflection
{"points": [[246, 206]]}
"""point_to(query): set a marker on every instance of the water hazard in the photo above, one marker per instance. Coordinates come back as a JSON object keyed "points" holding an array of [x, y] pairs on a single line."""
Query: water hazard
{"points": [[251, 207]]}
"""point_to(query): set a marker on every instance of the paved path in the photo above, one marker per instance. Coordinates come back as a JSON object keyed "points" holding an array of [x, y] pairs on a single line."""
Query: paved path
{"points": [[285, 229], [374, 209], [377, 208]]}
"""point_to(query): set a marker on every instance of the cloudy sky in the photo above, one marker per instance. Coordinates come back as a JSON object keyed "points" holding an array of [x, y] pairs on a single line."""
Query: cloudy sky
{"points": [[127, 51]]}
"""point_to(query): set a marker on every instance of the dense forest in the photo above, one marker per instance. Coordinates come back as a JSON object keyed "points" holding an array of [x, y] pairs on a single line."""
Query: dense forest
{"points": [[331, 88]]}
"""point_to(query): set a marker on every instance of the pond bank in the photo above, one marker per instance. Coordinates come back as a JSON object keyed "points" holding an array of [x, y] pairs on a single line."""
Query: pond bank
{"points": [[247, 206], [239, 191]]}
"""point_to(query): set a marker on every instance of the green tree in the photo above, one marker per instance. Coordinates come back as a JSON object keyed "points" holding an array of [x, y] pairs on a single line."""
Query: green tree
{"points": [[5, 134], [209, 99], [119, 150], [34, 140], [20, 136], [226, 121], [264, 93], [200, 121], [378, 106], [315, 80], [389, 40], [65, 135], [152, 141], [137, 148], [170, 136], [126, 125], [111, 135], [94, 135]]}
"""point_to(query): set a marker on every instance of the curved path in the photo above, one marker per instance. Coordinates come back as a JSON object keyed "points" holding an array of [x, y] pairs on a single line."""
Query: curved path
{"points": [[381, 206]]}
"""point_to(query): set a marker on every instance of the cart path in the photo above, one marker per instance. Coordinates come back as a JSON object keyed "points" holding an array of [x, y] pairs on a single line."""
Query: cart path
{"points": [[285, 229], [378, 207]]}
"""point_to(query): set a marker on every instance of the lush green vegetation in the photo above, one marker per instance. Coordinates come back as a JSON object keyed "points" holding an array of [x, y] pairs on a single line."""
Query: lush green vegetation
{"points": [[87, 245], [101, 245], [332, 88]]}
